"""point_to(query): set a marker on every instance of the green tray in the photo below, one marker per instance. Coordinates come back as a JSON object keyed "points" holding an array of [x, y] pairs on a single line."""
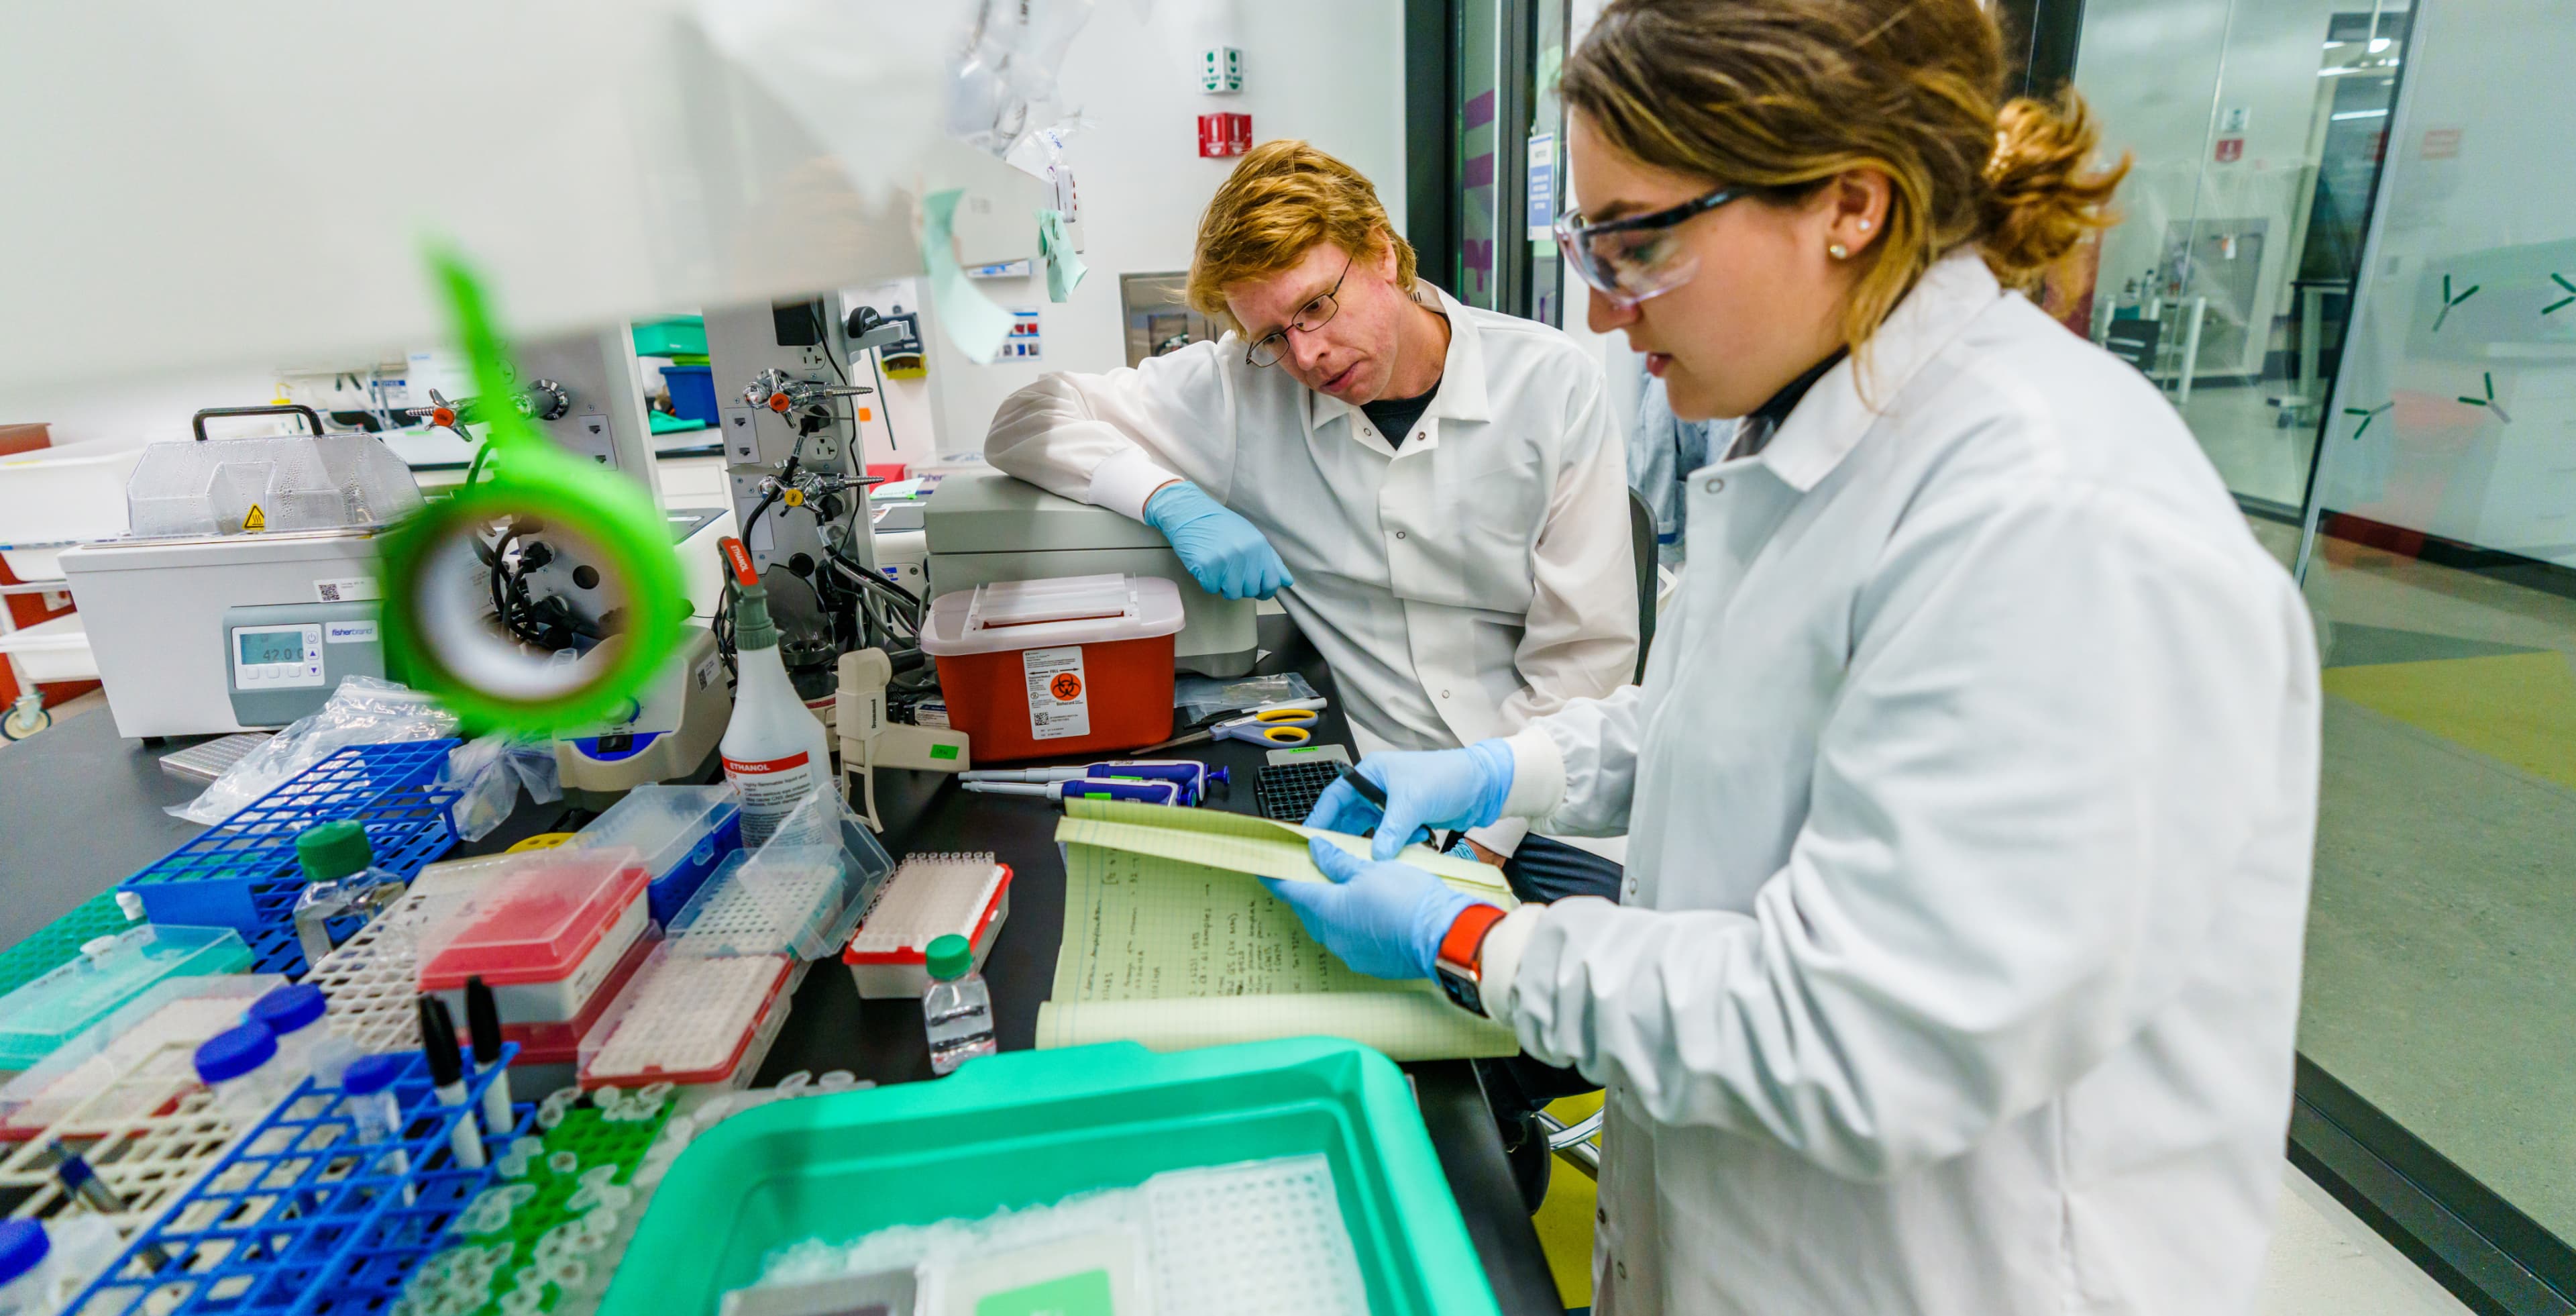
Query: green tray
{"points": [[57, 942], [671, 335], [1030, 1127]]}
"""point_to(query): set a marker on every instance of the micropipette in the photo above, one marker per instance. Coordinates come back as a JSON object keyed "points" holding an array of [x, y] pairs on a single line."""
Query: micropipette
{"points": [[1144, 792], [1192, 775]]}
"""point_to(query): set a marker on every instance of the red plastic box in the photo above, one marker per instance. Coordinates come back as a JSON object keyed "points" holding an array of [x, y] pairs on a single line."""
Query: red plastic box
{"points": [[1070, 665]]}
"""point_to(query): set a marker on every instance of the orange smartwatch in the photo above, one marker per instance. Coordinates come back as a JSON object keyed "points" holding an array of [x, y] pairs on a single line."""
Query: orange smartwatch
{"points": [[1460, 964]]}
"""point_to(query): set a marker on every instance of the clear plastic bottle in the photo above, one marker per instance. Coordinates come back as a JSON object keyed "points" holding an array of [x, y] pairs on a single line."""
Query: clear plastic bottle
{"points": [[239, 1066], [305, 1045], [957, 1010], [45, 1265], [341, 878], [369, 1102]]}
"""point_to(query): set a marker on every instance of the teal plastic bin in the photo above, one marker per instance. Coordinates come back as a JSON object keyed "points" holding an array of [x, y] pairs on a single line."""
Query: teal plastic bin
{"points": [[1030, 1127], [672, 335]]}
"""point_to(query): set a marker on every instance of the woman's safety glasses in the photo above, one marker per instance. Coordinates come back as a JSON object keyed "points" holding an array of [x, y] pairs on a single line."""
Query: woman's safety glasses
{"points": [[1629, 260]]}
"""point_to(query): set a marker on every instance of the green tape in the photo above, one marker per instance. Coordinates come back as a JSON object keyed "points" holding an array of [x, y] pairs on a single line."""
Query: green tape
{"points": [[531, 479]]}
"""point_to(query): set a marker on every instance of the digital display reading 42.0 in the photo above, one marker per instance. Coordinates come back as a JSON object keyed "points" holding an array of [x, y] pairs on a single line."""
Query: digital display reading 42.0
{"points": [[272, 647]]}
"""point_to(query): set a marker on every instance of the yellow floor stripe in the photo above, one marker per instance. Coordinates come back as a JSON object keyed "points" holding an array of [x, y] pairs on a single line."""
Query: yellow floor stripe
{"points": [[1564, 1220], [2519, 708]]}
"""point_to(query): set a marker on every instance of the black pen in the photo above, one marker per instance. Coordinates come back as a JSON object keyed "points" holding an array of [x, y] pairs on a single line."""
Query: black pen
{"points": [[447, 1078], [483, 1025], [1368, 790]]}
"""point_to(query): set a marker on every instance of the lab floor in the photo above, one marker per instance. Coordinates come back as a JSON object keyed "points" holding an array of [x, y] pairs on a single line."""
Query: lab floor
{"points": [[2237, 426]]}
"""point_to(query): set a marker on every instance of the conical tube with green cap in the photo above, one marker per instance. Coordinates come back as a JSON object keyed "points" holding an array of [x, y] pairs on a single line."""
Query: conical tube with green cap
{"points": [[774, 749]]}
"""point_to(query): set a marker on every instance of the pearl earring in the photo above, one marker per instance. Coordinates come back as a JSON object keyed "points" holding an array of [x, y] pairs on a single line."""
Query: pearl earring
{"points": [[1836, 250]]}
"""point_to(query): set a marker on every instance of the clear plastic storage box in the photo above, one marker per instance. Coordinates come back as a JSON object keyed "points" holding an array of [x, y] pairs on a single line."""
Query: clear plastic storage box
{"points": [[682, 833], [153, 1034], [295, 482], [39, 1018]]}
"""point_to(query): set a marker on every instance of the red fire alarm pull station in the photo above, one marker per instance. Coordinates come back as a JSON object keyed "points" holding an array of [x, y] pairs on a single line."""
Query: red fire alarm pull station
{"points": [[1224, 135]]}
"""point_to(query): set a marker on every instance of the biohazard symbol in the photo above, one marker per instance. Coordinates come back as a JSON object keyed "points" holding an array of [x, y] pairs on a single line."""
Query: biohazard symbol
{"points": [[255, 521], [1065, 687]]}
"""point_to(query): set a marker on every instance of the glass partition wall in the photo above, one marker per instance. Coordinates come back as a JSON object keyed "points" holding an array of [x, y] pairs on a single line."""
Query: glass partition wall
{"points": [[2348, 257]]}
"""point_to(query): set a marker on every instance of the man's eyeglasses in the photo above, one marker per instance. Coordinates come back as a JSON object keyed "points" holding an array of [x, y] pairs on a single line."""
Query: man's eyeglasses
{"points": [[1311, 317], [1629, 260]]}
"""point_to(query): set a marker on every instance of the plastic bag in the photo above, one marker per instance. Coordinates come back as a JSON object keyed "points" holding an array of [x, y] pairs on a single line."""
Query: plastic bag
{"points": [[1002, 84], [1196, 697], [491, 769], [363, 711]]}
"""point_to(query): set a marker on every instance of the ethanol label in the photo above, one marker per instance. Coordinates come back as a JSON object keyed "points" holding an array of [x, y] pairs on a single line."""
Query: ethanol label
{"points": [[1059, 695], [770, 789]]}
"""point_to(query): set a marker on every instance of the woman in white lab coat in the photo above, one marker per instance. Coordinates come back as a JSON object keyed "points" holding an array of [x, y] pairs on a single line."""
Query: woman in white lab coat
{"points": [[1972, 784]]}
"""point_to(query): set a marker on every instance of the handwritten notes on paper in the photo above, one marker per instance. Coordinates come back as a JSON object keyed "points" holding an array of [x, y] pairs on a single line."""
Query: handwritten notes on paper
{"points": [[1174, 953]]}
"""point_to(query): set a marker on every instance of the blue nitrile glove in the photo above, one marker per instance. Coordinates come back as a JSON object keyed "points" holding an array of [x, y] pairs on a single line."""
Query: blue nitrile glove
{"points": [[1384, 919], [1225, 555], [1435, 788]]}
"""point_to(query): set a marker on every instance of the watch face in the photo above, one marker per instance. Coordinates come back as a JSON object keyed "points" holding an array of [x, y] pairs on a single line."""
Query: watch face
{"points": [[1461, 989]]}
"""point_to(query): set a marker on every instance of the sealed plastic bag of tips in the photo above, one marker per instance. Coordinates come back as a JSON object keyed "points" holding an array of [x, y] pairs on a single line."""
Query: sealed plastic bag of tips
{"points": [[490, 769], [363, 711], [1002, 85], [1196, 697]]}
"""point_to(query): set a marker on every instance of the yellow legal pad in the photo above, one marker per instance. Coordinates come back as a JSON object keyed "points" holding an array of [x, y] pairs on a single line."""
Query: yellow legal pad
{"points": [[1168, 941]]}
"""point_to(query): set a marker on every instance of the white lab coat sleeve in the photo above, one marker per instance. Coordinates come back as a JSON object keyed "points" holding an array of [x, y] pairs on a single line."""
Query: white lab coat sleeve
{"points": [[1574, 771], [2060, 709], [1112, 439], [1579, 638]]}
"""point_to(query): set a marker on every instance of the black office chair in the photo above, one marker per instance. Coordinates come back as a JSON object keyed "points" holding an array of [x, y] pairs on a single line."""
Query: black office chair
{"points": [[1641, 535]]}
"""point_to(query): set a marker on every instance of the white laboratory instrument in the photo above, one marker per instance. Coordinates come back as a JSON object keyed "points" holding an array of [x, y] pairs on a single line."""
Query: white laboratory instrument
{"points": [[668, 733], [984, 526], [870, 740], [235, 543]]}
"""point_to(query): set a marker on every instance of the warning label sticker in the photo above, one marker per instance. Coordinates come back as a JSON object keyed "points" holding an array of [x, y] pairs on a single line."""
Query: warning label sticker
{"points": [[1059, 701]]}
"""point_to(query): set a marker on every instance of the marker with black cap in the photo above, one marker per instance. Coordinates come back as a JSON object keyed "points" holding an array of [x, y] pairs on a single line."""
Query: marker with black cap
{"points": [[447, 1078], [483, 1024]]}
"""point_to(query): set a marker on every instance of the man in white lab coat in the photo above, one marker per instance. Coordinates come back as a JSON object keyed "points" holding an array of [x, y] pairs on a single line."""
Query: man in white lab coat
{"points": [[1437, 494]]}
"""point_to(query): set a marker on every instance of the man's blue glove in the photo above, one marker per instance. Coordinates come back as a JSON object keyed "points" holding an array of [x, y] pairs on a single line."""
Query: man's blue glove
{"points": [[1438, 788], [1225, 555], [1384, 919]]}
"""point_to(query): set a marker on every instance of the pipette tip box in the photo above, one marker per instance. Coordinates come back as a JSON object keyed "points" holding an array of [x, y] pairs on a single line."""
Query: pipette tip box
{"points": [[551, 937], [930, 896], [689, 1020], [682, 834]]}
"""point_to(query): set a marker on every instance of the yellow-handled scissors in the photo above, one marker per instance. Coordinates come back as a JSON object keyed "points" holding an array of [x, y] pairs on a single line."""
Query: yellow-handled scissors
{"points": [[1283, 723], [1270, 726]]}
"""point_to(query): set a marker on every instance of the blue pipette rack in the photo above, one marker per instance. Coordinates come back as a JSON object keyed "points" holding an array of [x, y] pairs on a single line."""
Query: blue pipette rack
{"points": [[242, 874], [300, 1218]]}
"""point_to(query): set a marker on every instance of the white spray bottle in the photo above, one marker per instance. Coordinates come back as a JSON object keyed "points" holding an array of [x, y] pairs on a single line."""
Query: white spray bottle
{"points": [[774, 749]]}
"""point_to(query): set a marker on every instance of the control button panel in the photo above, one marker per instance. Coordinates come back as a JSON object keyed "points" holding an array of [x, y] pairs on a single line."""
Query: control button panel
{"points": [[277, 657]]}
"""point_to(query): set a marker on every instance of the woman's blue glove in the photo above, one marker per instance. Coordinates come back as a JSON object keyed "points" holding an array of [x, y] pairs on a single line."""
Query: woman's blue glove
{"points": [[1224, 554], [1437, 788], [1383, 919]]}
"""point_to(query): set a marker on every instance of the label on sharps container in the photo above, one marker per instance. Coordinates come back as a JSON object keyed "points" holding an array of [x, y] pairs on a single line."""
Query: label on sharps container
{"points": [[1059, 696]]}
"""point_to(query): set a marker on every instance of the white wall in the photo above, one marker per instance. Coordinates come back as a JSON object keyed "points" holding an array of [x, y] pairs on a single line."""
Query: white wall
{"points": [[1329, 71]]}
